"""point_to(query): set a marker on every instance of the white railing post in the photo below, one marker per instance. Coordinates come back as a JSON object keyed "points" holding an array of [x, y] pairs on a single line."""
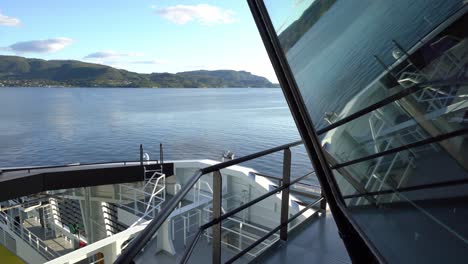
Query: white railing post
{"points": [[135, 201], [154, 208]]}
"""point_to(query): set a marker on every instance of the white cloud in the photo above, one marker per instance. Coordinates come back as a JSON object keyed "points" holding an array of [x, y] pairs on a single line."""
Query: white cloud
{"points": [[109, 54], [9, 21], [40, 46], [202, 13], [125, 60]]}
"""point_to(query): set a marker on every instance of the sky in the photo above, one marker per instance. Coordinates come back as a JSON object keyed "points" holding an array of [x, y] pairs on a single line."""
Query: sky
{"points": [[284, 13], [138, 35]]}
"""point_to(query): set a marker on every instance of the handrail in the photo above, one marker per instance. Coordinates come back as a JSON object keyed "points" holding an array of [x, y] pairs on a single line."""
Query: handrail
{"points": [[34, 241], [413, 145], [280, 179], [229, 163], [390, 99], [254, 201], [137, 244], [152, 177], [276, 229], [152, 195], [209, 190], [140, 241], [409, 188], [223, 217], [189, 250], [93, 248]]}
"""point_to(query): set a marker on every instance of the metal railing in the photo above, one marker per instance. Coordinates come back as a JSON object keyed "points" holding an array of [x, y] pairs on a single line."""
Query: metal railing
{"points": [[156, 180], [283, 227], [302, 188], [137, 244], [149, 197], [27, 236]]}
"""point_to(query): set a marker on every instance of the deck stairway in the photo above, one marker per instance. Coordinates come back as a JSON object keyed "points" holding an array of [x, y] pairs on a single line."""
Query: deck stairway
{"points": [[111, 217], [67, 212]]}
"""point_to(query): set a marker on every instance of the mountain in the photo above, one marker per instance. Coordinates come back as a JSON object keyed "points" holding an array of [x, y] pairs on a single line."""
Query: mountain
{"points": [[291, 35], [24, 72]]}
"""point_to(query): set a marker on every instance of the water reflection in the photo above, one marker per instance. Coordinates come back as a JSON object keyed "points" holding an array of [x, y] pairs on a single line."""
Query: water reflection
{"points": [[425, 71], [332, 53], [386, 84]]}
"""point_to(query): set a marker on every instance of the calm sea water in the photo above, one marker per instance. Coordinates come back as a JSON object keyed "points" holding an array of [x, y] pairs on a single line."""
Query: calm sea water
{"points": [[334, 60], [54, 126]]}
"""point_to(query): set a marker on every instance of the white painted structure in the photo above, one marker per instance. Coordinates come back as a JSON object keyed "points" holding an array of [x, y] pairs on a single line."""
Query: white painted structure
{"points": [[104, 209]]}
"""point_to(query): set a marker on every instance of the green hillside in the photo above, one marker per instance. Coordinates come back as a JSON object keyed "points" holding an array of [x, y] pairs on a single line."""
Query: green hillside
{"points": [[24, 72], [291, 35]]}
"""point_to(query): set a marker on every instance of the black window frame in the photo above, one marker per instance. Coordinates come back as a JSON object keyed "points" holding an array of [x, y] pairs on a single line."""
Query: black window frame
{"points": [[360, 248]]}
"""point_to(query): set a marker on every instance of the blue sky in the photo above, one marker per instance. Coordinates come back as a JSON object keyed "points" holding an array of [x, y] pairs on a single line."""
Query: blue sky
{"points": [[139, 35]]}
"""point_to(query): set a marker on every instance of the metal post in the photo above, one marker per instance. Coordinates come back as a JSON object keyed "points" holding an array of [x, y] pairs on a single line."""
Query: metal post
{"points": [[285, 194], [217, 196], [161, 155], [141, 154], [21, 222], [240, 234], [135, 206], [88, 215], [323, 203], [185, 229]]}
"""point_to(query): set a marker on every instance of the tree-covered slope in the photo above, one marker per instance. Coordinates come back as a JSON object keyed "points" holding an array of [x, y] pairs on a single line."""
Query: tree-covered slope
{"points": [[291, 35], [19, 71]]}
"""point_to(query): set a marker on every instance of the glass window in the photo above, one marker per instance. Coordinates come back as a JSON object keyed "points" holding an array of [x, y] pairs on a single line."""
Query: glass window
{"points": [[407, 206], [385, 83], [339, 49]]}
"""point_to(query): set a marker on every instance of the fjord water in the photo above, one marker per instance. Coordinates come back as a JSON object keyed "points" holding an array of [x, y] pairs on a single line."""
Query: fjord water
{"points": [[334, 60], [56, 126]]}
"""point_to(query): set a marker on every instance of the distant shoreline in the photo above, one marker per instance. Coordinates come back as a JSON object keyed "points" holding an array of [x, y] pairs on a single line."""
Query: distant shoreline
{"points": [[18, 71]]}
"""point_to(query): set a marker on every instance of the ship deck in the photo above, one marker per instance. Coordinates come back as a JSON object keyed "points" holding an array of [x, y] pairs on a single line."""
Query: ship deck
{"points": [[314, 242]]}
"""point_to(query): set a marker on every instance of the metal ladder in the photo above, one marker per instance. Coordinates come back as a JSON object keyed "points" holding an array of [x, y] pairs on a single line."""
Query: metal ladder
{"points": [[48, 221]]}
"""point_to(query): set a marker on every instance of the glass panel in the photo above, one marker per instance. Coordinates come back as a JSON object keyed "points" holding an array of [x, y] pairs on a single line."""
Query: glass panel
{"points": [[400, 123], [203, 250], [246, 227], [190, 214], [412, 202], [349, 55], [272, 164], [404, 170], [303, 195], [342, 52]]}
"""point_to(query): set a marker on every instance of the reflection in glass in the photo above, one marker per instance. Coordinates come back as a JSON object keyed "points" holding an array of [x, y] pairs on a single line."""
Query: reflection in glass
{"points": [[336, 48], [386, 85]]}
